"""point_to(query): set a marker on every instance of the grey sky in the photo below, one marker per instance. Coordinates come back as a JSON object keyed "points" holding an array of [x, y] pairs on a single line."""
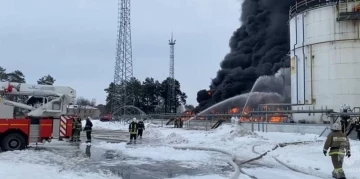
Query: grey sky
{"points": [[74, 40]]}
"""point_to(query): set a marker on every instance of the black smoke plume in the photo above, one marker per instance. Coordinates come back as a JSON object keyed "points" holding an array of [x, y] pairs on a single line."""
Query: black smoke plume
{"points": [[257, 48]]}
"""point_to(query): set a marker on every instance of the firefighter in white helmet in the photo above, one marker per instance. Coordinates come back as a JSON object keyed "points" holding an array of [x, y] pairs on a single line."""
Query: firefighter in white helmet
{"points": [[133, 127], [339, 147], [345, 119]]}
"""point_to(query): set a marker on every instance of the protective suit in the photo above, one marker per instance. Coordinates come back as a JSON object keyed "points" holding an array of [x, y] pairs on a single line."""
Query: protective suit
{"points": [[133, 127], [76, 129], [88, 129], [355, 124], [339, 147], [141, 128], [345, 119]]}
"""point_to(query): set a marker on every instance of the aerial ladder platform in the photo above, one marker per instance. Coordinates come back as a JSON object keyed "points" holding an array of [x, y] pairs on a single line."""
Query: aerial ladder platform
{"points": [[45, 114]]}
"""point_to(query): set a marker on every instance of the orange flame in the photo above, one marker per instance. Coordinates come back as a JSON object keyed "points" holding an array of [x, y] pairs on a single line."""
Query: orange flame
{"points": [[273, 119]]}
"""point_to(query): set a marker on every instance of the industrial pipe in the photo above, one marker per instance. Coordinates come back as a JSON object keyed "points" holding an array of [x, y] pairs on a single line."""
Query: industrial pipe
{"points": [[344, 113], [296, 58], [303, 51], [293, 111]]}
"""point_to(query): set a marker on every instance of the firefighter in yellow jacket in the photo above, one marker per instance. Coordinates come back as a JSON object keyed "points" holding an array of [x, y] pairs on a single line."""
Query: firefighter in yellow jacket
{"points": [[339, 147], [133, 128]]}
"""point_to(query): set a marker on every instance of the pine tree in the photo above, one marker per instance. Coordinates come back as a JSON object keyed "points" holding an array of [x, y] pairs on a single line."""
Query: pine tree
{"points": [[46, 80]]}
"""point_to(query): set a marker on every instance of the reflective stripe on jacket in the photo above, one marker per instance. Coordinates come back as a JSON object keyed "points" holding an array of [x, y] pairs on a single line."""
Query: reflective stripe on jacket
{"points": [[337, 142], [133, 128]]}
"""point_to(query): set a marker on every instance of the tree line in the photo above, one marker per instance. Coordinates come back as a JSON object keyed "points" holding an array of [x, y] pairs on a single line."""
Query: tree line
{"points": [[150, 95]]}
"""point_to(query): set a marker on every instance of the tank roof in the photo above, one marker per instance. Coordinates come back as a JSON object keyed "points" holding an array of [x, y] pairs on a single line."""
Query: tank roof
{"points": [[303, 5]]}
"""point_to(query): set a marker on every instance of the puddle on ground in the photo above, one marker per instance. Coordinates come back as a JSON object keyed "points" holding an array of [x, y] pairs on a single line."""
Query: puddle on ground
{"points": [[93, 159], [128, 168]]}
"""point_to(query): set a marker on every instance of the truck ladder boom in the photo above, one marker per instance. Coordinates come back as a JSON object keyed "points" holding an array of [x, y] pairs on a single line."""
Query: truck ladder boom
{"points": [[16, 104], [13, 88]]}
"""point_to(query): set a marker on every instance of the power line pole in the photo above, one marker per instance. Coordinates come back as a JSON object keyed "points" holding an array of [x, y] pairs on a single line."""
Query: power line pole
{"points": [[171, 96], [123, 93]]}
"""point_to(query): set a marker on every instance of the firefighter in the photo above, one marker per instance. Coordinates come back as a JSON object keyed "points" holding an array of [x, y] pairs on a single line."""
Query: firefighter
{"points": [[75, 133], [78, 129], [181, 123], [339, 147], [133, 130], [357, 127], [73, 129], [141, 128], [355, 123], [344, 118], [176, 123], [88, 129]]}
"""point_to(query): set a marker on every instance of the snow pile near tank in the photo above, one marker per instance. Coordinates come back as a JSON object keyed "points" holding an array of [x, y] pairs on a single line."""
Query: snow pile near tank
{"points": [[148, 125], [231, 132], [153, 133], [175, 138]]}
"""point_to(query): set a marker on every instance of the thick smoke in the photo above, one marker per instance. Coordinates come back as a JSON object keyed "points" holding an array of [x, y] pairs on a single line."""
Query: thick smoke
{"points": [[257, 48]]}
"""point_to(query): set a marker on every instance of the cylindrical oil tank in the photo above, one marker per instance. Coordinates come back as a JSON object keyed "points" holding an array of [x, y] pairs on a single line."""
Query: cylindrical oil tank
{"points": [[325, 56]]}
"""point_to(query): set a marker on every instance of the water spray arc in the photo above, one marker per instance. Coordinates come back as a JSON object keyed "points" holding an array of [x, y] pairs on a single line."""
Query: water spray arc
{"points": [[122, 93]]}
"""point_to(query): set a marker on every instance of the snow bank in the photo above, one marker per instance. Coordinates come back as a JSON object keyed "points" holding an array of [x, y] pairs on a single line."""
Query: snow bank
{"points": [[226, 137], [98, 125], [175, 138], [153, 133]]}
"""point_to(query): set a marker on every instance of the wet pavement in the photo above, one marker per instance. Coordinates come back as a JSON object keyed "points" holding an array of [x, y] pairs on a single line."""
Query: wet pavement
{"points": [[92, 158]]}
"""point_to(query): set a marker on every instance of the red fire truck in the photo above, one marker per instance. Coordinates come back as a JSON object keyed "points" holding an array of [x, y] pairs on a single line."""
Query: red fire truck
{"points": [[45, 114]]}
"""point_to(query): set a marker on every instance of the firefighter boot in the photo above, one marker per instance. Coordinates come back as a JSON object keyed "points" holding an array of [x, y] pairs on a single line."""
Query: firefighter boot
{"points": [[339, 173]]}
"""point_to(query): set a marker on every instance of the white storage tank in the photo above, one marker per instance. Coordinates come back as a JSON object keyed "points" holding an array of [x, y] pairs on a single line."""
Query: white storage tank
{"points": [[325, 56]]}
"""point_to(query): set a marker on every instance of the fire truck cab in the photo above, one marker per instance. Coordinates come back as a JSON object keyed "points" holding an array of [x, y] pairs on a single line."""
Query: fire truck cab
{"points": [[45, 114]]}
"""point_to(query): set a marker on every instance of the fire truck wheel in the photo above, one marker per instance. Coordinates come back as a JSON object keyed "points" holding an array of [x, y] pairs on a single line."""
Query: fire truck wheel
{"points": [[13, 141]]}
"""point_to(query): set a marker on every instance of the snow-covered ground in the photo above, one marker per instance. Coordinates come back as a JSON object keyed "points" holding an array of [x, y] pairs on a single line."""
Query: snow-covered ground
{"points": [[43, 164], [307, 158], [304, 157]]}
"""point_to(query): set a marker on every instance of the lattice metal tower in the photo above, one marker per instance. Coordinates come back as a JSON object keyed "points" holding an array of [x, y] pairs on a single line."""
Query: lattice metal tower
{"points": [[123, 94], [171, 97]]}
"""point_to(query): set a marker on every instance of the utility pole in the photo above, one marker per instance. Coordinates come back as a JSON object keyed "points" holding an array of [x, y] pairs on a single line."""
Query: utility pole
{"points": [[123, 94], [171, 96]]}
